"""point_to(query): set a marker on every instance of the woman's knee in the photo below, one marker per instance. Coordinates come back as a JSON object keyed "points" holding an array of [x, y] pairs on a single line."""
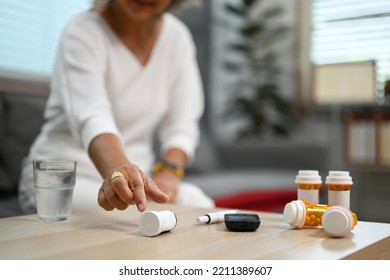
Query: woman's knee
{"points": [[192, 195]]}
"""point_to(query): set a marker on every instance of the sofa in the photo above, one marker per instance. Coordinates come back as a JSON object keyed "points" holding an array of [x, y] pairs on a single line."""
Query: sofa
{"points": [[255, 175], [21, 116], [252, 175]]}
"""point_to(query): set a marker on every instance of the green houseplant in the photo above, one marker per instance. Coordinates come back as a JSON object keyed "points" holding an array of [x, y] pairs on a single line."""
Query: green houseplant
{"points": [[255, 91]]}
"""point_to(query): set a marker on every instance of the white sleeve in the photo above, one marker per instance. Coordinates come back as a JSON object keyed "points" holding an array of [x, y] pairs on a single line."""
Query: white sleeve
{"points": [[79, 76], [180, 128]]}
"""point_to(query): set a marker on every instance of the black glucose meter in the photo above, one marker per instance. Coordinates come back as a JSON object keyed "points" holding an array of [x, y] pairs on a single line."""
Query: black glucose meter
{"points": [[242, 222]]}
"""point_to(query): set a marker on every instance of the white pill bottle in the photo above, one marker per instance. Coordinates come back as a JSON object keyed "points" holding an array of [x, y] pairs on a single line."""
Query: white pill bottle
{"points": [[339, 188], [309, 183], [153, 223]]}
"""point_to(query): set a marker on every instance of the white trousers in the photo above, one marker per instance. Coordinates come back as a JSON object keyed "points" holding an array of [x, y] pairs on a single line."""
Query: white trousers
{"points": [[86, 192], [85, 196]]}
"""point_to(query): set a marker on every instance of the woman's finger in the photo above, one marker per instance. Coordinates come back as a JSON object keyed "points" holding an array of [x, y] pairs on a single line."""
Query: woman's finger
{"points": [[154, 192], [121, 187], [103, 202]]}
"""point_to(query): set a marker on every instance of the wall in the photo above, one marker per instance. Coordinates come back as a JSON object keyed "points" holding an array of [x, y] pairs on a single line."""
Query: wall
{"points": [[198, 19]]}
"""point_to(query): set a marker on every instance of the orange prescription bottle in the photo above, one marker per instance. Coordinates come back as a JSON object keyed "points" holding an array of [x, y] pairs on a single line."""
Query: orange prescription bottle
{"points": [[339, 186], [309, 183], [335, 220], [299, 213]]}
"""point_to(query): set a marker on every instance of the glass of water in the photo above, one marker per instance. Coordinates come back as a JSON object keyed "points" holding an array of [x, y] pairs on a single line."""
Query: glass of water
{"points": [[54, 181]]}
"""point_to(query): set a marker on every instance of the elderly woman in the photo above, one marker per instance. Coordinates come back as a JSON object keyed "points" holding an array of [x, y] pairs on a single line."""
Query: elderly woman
{"points": [[125, 69]]}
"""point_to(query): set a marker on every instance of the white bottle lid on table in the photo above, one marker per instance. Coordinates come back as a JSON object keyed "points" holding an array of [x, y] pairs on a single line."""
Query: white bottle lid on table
{"points": [[295, 213], [337, 221]]}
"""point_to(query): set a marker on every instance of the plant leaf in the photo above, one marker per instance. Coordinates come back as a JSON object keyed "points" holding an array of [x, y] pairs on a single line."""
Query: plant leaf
{"points": [[252, 29], [232, 66], [240, 47], [235, 10], [272, 35], [249, 3], [272, 12]]}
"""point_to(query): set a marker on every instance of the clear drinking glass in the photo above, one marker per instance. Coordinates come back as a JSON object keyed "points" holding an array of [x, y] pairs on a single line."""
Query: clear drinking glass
{"points": [[54, 181]]}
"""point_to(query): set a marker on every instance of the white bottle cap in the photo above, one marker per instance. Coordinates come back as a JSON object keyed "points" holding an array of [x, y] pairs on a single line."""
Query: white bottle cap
{"points": [[295, 213], [308, 177], [339, 177], [337, 221], [153, 223]]}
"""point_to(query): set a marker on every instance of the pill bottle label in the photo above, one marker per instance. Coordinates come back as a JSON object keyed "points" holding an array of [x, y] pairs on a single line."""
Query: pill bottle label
{"points": [[309, 183], [341, 198], [339, 185], [309, 192]]}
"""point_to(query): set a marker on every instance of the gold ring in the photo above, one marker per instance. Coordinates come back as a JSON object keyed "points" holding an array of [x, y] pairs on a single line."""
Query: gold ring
{"points": [[118, 174]]}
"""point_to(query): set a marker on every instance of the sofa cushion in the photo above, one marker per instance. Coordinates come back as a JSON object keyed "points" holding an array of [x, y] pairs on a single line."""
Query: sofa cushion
{"points": [[222, 183], [287, 153], [21, 120], [9, 206]]}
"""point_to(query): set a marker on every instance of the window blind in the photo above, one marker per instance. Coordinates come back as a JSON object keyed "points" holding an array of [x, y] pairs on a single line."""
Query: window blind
{"points": [[30, 30], [352, 31]]}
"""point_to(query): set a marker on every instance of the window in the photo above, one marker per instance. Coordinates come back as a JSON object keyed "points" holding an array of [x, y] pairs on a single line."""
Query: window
{"points": [[352, 31], [30, 30]]}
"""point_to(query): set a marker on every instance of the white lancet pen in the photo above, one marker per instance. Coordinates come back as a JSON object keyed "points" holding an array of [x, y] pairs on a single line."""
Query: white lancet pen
{"points": [[214, 217]]}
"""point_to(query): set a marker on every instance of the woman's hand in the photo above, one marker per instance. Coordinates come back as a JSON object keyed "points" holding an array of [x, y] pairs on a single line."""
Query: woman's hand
{"points": [[168, 182], [128, 185], [169, 171], [131, 186]]}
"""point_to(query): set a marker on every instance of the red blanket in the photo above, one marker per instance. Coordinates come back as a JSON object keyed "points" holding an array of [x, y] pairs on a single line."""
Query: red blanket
{"points": [[259, 200]]}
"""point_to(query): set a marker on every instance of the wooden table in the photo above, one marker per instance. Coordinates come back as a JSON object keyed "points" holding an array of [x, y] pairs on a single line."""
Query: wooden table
{"points": [[96, 234]]}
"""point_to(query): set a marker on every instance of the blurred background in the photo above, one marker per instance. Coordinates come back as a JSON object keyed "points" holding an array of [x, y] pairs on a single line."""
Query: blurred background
{"points": [[288, 84]]}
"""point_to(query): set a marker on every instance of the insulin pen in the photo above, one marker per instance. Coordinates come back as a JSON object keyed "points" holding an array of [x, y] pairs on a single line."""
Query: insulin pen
{"points": [[215, 217]]}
